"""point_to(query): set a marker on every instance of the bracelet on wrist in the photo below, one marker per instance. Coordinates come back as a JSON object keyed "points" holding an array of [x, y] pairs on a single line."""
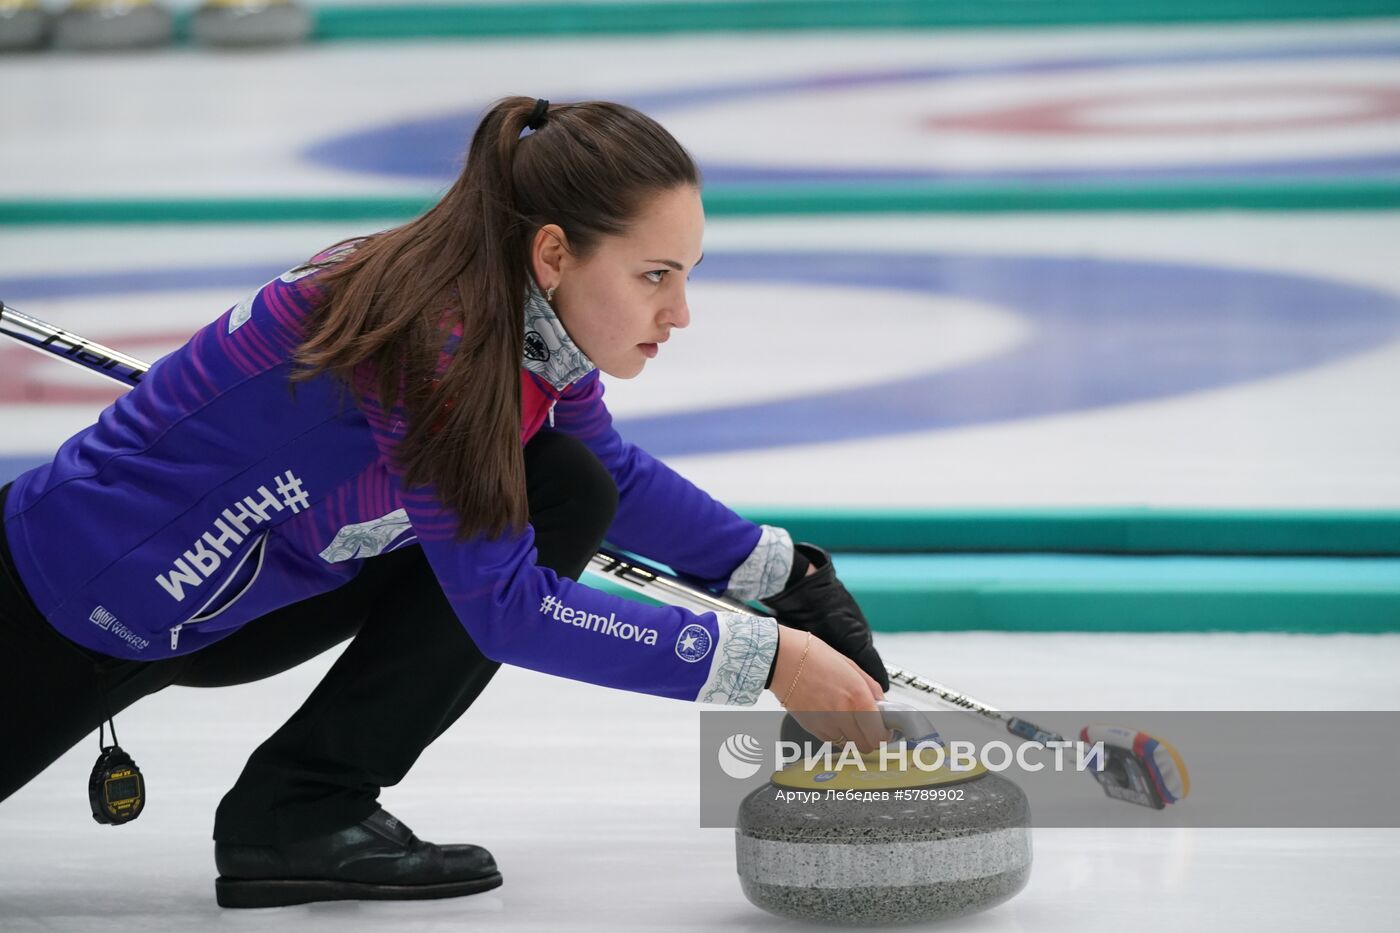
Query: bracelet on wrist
{"points": [[806, 646]]}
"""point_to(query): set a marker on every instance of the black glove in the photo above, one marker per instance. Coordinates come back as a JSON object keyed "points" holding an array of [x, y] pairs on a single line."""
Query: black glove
{"points": [[818, 603]]}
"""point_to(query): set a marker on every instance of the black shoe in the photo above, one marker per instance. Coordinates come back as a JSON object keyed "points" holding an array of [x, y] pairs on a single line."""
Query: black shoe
{"points": [[377, 859]]}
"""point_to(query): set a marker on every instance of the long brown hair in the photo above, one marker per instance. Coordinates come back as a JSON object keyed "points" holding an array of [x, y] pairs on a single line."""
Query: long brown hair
{"points": [[388, 304]]}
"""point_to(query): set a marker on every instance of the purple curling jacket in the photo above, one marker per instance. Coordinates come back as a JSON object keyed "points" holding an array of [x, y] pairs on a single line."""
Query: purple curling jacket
{"points": [[213, 494]]}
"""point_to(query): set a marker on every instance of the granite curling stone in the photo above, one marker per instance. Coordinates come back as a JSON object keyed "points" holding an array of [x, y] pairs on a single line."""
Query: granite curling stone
{"points": [[933, 845], [24, 25], [250, 22], [109, 25]]}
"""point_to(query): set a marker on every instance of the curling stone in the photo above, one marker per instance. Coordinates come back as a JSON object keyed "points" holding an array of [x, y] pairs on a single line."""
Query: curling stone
{"points": [[101, 25], [250, 22], [24, 25], [874, 841]]}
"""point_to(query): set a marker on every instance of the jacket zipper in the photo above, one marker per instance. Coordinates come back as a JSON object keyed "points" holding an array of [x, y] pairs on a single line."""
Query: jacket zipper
{"points": [[259, 549]]}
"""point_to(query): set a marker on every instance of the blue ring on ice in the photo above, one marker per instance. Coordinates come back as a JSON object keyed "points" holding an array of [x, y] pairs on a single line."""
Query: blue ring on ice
{"points": [[1102, 332], [431, 148]]}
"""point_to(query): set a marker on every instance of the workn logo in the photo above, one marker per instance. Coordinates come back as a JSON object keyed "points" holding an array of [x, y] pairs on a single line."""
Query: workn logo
{"points": [[104, 619]]}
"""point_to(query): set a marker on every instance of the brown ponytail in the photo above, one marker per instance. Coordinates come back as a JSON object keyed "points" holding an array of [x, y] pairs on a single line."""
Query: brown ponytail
{"points": [[387, 306]]}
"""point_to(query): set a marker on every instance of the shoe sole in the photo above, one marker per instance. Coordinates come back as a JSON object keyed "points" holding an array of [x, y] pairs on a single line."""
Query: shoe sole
{"points": [[281, 892]]}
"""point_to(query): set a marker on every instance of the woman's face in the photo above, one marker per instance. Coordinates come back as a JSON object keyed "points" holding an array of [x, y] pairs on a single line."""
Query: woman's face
{"points": [[623, 300]]}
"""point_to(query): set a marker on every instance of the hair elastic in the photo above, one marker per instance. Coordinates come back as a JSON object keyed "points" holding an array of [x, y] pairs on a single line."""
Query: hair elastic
{"points": [[539, 115]]}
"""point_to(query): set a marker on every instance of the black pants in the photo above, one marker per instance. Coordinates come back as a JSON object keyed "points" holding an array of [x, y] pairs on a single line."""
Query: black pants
{"points": [[410, 671]]}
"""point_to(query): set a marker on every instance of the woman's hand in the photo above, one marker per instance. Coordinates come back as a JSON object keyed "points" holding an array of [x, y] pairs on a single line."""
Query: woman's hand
{"points": [[820, 603], [827, 692]]}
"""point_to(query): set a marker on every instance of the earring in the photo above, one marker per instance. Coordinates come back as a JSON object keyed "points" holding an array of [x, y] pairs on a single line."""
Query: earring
{"points": [[549, 293]]}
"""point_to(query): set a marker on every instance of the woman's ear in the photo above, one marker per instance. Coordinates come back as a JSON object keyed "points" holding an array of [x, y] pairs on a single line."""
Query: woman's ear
{"points": [[549, 251]]}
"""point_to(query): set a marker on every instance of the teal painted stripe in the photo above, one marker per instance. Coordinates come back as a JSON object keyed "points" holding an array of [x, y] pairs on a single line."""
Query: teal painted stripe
{"points": [[745, 201], [1125, 594], [1100, 531], [419, 21], [21, 211], [1110, 573], [762, 200], [1010, 609], [1059, 593]]}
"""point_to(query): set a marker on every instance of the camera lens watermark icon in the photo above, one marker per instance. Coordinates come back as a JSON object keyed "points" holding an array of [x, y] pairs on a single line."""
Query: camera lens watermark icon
{"points": [[740, 756]]}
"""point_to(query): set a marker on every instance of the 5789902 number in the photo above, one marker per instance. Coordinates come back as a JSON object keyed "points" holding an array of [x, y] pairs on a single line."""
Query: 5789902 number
{"points": [[930, 793]]}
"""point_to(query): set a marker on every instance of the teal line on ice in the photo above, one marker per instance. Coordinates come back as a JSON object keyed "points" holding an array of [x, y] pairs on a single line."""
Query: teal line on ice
{"points": [[407, 21], [1096, 530], [1078, 593], [753, 201]]}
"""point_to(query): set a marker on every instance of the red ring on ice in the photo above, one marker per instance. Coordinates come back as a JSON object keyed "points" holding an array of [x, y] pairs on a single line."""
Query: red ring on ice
{"points": [[1075, 116], [29, 378]]}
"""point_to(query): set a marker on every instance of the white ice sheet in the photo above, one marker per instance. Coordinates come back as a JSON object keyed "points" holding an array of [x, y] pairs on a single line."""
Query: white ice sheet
{"points": [[587, 797]]}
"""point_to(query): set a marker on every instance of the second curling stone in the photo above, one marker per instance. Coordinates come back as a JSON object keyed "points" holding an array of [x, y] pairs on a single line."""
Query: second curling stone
{"points": [[250, 22], [24, 24], [110, 25]]}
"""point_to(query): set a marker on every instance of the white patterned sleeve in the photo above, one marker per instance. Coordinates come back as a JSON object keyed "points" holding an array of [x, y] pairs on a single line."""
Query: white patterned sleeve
{"points": [[765, 571], [746, 649]]}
